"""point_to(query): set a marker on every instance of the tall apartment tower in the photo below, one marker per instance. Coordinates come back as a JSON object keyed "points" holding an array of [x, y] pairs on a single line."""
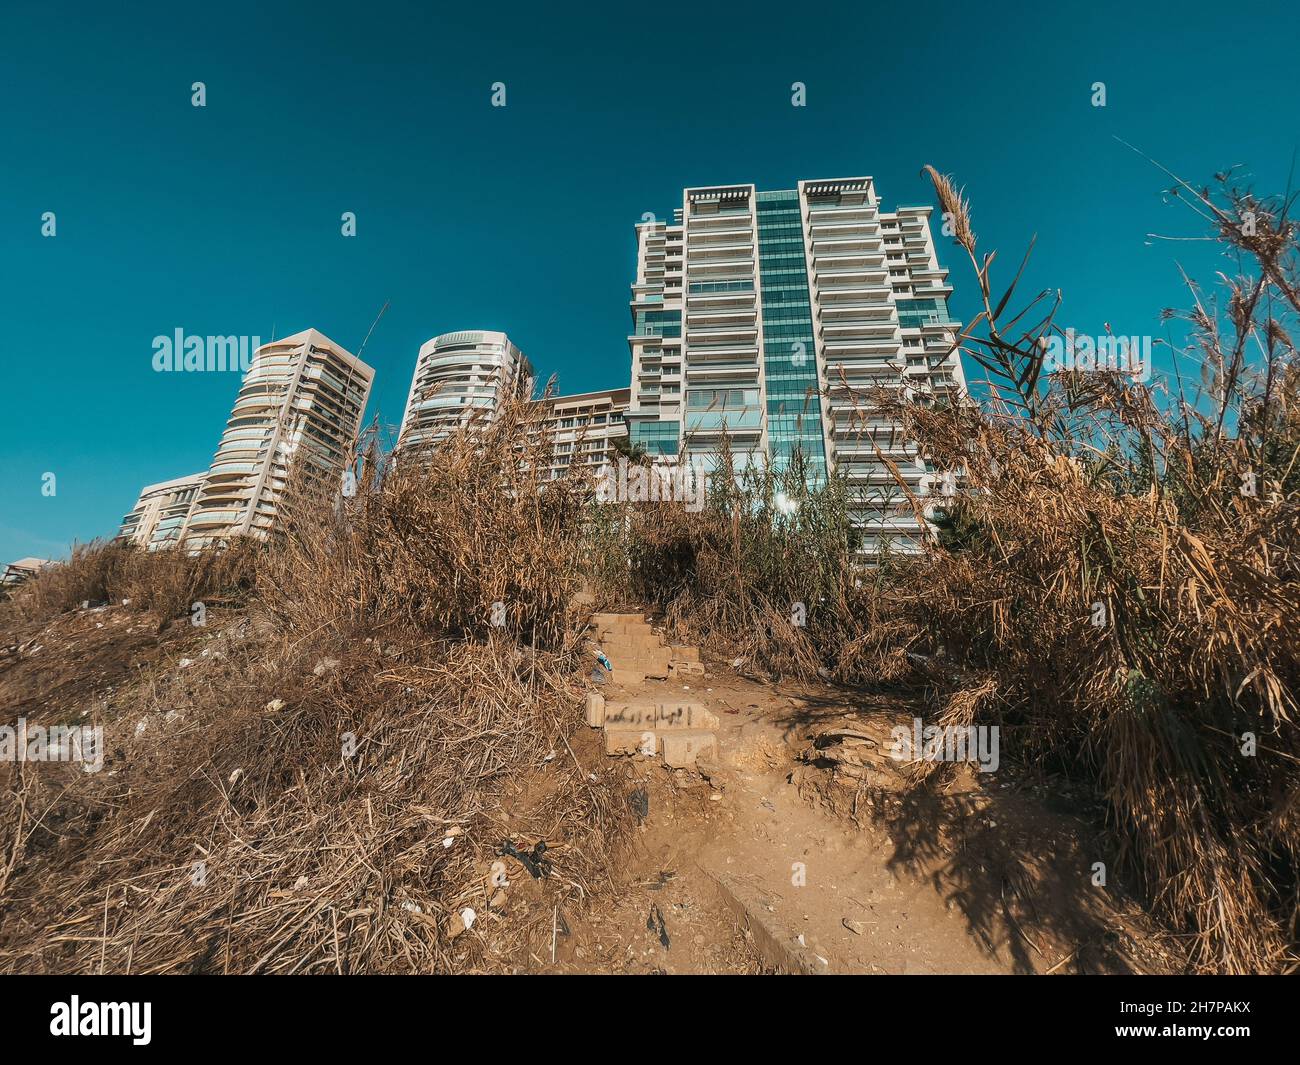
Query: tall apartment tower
{"points": [[768, 316], [459, 376], [293, 428], [161, 514]]}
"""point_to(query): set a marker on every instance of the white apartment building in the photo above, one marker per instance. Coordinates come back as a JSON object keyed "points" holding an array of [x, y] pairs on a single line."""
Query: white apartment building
{"points": [[459, 376], [770, 317], [582, 429], [160, 515], [293, 429], [23, 570]]}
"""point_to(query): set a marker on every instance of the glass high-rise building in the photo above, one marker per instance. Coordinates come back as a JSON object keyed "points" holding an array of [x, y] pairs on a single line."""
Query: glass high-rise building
{"points": [[770, 317]]}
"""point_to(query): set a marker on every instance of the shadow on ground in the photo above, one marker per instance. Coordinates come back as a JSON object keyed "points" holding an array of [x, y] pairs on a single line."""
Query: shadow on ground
{"points": [[1015, 856]]}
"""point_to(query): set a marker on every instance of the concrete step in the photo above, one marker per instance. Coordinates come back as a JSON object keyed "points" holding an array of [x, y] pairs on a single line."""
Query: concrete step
{"points": [[634, 648], [659, 716], [664, 714], [678, 731], [679, 748]]}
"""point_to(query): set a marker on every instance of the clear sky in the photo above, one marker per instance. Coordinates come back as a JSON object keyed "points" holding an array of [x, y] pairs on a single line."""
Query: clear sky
{"points": [[226, 219]]}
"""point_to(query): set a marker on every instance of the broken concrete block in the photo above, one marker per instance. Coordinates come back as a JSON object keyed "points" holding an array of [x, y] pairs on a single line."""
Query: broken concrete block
{"points": [[635, 741], [685, 654], [681, 748], [595, 709], [628, 678], [688, 669], [664, 715]]}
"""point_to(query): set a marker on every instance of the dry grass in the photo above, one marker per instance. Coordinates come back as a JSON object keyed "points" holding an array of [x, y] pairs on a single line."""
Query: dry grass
{"points": [[166, 583], [1106, 588], [312, 860], [403, 714], [748, 575]]}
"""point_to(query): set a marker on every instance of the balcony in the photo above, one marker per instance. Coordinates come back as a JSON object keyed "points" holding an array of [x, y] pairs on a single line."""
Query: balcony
{"points": [[738, 231], [821, 226], [720, 268], [748, 419], [831, 289], [880, 328], [738, 374], [723, 301], [837, 350], [851, 407], [724, 324], [845, 245], [730, 249], [854, 452], [715, 355], [849, 306], [721, 220], [830, 259], [826, 211], [878, 475], [867, 366]]}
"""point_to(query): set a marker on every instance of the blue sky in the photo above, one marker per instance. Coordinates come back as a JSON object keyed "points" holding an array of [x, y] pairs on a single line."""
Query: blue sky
{"points": [[225, 219]]}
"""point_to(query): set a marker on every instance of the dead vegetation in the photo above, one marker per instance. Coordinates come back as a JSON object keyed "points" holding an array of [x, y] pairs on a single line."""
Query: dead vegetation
{"points": [[761, 572], [326, 786], [164, 583], [1117, 585]]}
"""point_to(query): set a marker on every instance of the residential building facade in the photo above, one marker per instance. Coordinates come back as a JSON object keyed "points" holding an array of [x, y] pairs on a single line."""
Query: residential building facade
{"points": [[160, 516], [460, 376], [293, 429], [23, 570], [771, 317], [582, 430]]}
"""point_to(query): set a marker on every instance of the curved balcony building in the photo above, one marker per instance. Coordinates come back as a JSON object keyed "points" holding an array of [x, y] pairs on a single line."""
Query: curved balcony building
{"points": [[460, 377], [296, 418]]}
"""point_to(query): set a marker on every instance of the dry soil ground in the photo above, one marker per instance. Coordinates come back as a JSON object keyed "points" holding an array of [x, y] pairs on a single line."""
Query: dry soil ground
{"points": [[803, 853], [788, 860]]}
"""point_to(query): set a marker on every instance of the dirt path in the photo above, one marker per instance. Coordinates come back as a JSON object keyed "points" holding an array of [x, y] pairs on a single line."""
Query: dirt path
{"points": [[770, 866], [823, 893]]}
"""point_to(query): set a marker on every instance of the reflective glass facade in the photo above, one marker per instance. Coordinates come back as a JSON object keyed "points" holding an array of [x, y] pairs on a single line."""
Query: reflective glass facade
{"points": [[794, 419]]}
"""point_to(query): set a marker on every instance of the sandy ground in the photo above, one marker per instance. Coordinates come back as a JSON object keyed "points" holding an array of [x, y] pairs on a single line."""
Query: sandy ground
{"points": [[784, 864], [794, 857]]}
